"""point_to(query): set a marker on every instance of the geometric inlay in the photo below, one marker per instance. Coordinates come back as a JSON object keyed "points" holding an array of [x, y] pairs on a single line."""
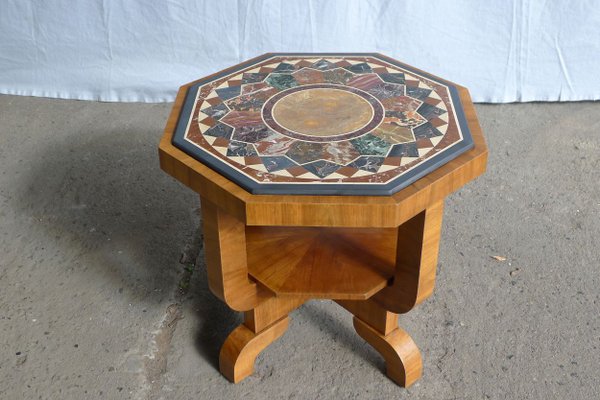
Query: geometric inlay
{"points": [[338, 124]]}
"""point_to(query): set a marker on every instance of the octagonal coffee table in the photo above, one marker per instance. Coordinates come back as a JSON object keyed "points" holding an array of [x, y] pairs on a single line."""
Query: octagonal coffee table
{"points": [[322, 176]]}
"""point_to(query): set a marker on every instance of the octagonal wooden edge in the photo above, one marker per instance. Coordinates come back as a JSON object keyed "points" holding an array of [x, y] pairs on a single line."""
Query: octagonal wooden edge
{"points": [[340, 211]]}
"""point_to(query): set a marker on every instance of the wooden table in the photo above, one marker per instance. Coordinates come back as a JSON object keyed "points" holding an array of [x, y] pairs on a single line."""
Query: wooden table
{"points": [[322, 176]]}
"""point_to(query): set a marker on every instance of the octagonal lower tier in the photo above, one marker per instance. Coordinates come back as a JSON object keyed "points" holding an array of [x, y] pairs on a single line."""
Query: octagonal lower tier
{"points": [[333, 263], [323, 124]]}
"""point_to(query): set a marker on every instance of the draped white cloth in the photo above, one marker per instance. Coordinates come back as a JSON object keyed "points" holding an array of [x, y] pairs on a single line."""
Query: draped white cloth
{"points": [[134, 50]]}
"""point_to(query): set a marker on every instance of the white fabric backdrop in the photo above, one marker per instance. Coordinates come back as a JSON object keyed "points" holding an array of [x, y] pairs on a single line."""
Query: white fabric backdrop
{"points": [[126, 50]]}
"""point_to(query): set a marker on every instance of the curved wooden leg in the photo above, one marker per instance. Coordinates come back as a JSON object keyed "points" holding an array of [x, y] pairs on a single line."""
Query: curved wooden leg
{"points": [[402, 357], [379, 327], [236, 360]]}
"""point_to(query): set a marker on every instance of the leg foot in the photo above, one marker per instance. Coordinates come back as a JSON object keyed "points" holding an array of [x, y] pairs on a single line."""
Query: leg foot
{"points": [[236, 360], [402, 357]]}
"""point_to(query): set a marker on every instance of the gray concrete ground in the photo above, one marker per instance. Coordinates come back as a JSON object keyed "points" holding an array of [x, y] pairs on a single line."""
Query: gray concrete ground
{"points": [[94, 302]]}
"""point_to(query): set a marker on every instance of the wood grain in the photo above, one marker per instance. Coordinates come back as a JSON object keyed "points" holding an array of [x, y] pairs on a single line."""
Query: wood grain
{"points": [[225, 253], [416, 261], [402, 357], [271, 311], [372, 314], [237, 356], [327, 263]]}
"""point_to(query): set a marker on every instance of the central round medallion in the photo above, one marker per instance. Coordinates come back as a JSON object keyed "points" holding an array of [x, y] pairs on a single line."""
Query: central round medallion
{"points": [[322, 112]]}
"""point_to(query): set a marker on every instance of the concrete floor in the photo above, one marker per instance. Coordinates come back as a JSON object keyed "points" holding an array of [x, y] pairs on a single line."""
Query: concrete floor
{"points": [[95, 303]]}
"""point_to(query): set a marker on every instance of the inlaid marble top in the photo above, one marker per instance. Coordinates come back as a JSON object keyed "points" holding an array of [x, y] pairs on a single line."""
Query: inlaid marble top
{"points": [[323, 124]]}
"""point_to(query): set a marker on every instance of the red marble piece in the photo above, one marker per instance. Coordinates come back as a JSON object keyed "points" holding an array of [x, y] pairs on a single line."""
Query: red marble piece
{"points": [[437, 122], [303, 63], [252, 160], [297, 171], [424, 143], [308, 75], [401, 103], [274, 145], [432, 101], [265, 70], [221, 142], [394, 161], [347, 171], [239, 119], [253, 87], [214, 101], [208, 121], [252, 100], [343, 63], [364, 81]]}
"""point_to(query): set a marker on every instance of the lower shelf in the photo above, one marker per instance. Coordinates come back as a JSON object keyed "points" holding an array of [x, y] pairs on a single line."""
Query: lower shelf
{"points": [[332, 263]]}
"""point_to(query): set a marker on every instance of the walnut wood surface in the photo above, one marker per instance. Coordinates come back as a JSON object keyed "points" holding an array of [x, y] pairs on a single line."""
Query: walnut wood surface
{"points": [[416, 261], [327, 263], [237, 356], [372, 314], [379, 328], [225, 253], [271, 311], [402, 357]]}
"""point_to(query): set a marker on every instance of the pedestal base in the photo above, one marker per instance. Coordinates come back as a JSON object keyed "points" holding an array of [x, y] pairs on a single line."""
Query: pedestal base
{"points": [[375, 273], [374, 324]]}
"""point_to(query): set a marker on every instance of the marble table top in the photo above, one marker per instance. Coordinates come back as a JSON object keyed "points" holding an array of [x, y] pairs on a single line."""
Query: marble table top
{"points": [[323, 124]]}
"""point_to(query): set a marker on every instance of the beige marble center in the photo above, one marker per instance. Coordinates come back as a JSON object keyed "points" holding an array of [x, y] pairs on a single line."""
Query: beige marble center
{"points": [[322, 112]]}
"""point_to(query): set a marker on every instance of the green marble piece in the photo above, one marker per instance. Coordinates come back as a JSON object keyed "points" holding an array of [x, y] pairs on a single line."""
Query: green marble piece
{"points": [[281, 81], [338, 76], [369, 145]]}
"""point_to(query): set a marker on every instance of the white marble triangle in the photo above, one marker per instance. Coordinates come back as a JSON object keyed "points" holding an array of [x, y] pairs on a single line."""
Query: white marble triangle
{"points": [[222, 150], [354, 62], [308, 175], [204, 128], [434, 95], [259, 167], [335, 175], [384, 168], [282, 172], [362, 173], [424, 151], [407, 160], [444, 117], [212, 94], [209, 139], [238, 159], [437, 139]]}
